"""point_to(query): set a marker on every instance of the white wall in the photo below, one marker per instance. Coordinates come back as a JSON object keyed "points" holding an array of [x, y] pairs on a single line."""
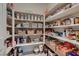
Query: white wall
{"points": [[38, 8], [51, 5], [2, 27]]}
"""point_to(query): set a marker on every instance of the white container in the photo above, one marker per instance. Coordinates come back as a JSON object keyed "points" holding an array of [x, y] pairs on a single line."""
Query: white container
{"points": [[18, 16], [28, 16], [35, 18], [8, 32], [22, 17], [18, 41], [24, 40], [18, 25], [72, 20], [41, 48], [36, 40], [38, 18], [40, 25], [26, 25], [32, 17], [36, 50], [34, 25]]}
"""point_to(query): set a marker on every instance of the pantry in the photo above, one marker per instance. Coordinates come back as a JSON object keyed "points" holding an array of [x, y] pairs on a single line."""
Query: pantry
{"points": [[42, 29]]}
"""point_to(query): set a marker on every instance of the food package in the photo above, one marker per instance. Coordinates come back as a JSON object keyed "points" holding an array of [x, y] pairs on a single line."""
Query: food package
{"points": [[67, 21], [39, 32], [36, 40], [26, 25], [21, 15], [54, 43], [30, 31], [68, 6], [69, 45], [40, 25], [77, 20], [41, 48], [59, 23], [61, 50], [34, 25], [18, 16], [71, 53], [58, 49], [36, 50], [20, 32], [72, 20], [18, 25]]}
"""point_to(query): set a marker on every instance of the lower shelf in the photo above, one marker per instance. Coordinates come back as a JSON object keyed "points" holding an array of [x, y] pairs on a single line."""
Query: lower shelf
{"points": [[8, 50], [65, 39], [48, 45], [40, 54], [25, 44]]}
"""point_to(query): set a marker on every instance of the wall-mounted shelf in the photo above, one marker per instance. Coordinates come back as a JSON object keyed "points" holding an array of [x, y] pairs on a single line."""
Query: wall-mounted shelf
{"points": [[28, 34], [26, 44], [21, 20], [73, 10], [65, 39], [26, 28], [56, 6], [66, 26]]}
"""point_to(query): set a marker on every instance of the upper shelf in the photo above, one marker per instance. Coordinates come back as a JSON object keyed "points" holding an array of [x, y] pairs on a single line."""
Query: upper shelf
{"points": [[66, 26], [56, 6], [23, 20], [73, 10]]}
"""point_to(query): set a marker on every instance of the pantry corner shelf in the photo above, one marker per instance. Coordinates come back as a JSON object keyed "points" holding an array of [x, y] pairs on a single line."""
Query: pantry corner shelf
{"points": [[74, 9], [27, 28], [65, 39], [65, 26], [26, 44], [55, 6], [23, 20], [27, 34]]}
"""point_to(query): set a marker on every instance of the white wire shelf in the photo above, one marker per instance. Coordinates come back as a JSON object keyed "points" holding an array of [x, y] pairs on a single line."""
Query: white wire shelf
{"points": [[73, 10], [65, 39], [66, 26], [26, 44]]}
